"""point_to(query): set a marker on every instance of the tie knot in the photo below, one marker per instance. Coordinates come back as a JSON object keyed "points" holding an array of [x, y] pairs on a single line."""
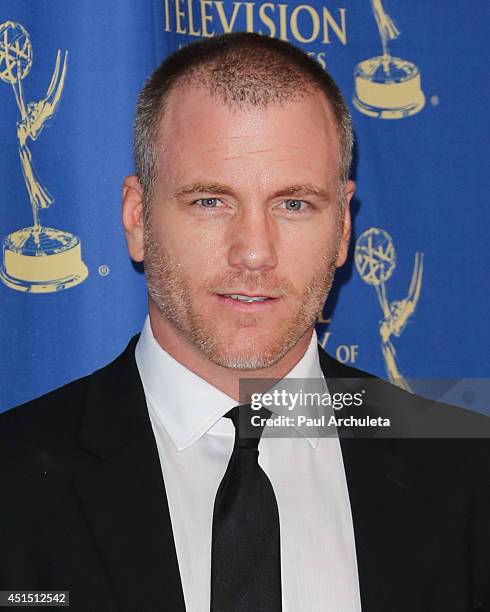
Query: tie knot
{"points": [[249, 424]]}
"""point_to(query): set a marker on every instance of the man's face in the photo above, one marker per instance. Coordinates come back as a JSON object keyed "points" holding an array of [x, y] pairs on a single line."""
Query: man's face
{"points": [[245, 229]]}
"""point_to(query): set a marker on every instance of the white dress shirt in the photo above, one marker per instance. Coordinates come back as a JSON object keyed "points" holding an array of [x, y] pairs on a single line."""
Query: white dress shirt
{"points": [[195, 441]]}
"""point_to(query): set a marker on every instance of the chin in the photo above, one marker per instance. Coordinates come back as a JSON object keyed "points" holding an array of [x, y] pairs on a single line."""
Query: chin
{"points": [[248, 342], [256, 353], [244, 361]]}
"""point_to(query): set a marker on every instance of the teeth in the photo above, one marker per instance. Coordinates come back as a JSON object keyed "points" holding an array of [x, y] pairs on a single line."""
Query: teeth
{"points": [[247, 298]]}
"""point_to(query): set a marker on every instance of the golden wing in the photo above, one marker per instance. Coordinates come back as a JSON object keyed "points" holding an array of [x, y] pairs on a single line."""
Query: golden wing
{"points": [[40, 112], [386, 25]]}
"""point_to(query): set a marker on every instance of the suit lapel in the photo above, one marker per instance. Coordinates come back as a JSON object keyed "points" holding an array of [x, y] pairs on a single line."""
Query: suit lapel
{"points": [[124, 498], [380, 482]]}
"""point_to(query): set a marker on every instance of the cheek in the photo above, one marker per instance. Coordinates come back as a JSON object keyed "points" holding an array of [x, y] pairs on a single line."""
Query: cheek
{"points": [[197, 246], [306, 246]]}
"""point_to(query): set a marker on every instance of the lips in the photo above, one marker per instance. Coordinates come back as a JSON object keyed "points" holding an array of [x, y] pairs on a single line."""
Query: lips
{"points": [[241, 297], [246, 302]]}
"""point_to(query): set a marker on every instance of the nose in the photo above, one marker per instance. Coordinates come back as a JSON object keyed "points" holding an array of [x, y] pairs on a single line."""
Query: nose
{"points": [[253, 241]]}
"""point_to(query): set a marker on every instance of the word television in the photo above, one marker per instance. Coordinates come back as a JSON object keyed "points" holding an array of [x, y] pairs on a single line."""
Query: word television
{"points": [[304, 23]]}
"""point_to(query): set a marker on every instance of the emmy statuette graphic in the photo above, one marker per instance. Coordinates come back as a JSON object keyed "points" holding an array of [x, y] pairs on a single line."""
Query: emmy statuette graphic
{"points": [[36, 259], [387, 87], [375, 260]]}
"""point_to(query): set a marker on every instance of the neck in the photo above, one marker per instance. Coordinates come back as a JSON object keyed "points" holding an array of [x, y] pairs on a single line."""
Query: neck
{"points": [[174, 342]]}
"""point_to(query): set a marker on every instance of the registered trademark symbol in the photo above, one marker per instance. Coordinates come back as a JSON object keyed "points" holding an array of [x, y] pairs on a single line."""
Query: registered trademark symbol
{"points": [[104, 270], [434, 100]]}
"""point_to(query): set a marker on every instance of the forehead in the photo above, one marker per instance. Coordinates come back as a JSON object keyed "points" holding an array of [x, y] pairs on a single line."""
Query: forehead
{"points": [[199, 129]]}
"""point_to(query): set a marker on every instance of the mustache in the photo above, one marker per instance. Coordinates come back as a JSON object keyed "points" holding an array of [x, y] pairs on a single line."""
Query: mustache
{"points": [[259, 283]]}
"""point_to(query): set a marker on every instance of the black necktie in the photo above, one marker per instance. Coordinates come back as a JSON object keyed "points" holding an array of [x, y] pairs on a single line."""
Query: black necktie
{"points": [[245, 556]]}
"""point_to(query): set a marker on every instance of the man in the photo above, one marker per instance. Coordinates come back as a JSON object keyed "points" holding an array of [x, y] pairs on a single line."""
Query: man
{"points": [[133, 489]]}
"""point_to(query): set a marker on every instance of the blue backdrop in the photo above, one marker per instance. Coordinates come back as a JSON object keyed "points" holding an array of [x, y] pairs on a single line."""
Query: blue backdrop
{"points": [[413, 74]]}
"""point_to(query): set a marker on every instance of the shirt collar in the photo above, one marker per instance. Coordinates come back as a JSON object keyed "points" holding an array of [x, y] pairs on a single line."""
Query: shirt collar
{"points": [[187, 405]]}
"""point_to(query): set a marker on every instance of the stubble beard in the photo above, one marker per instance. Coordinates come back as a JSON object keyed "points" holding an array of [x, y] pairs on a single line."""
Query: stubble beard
{"points": [[169, 290]]}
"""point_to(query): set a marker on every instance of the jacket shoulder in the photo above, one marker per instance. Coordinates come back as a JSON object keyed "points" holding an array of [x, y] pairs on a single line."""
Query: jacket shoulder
{"points": [[52, 419], [45, 413], [333, 368], [441, 434]]}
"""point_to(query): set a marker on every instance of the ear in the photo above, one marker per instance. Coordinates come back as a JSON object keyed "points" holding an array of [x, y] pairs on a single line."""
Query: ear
{"points": [[350, 188], [132, 217]]}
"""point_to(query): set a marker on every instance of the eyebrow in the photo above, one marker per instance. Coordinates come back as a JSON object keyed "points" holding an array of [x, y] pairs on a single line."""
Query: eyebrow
{"points": [[305, 189], [212, 188], [302, 189]]}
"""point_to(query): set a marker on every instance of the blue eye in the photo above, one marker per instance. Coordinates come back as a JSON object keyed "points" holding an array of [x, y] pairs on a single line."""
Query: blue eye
{"points": [[294, 205], [208, 202]]}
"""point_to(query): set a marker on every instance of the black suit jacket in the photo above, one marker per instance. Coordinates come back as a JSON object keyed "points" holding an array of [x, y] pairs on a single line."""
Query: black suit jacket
{"points": [[83, 505]]}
